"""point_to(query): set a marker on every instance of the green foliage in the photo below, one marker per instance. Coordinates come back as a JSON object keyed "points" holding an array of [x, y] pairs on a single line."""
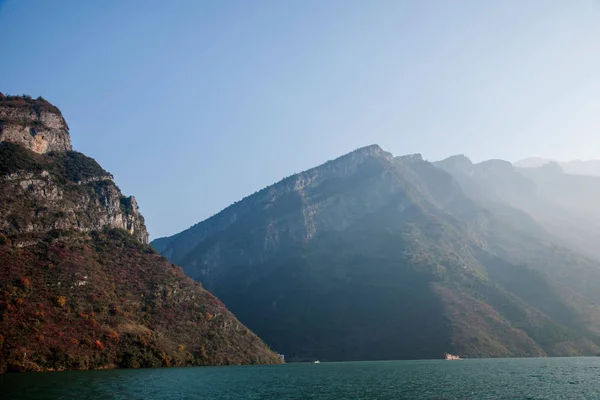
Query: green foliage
{"points": [[25, 102], [75, 167], [14, 158], [68, 166]]}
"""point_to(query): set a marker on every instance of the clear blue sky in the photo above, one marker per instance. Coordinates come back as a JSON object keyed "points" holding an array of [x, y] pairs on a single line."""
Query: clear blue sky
{"points": [[194, 104]]}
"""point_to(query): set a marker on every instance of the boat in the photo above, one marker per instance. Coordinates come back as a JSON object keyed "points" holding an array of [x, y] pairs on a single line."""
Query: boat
{"points": [[316, 362], [452, 357]]}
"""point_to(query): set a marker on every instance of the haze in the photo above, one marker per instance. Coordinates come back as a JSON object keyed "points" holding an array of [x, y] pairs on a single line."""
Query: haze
{"points": [[201, 103]]}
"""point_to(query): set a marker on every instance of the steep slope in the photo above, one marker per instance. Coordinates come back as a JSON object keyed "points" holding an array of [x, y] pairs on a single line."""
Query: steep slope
{"points": [[79, 286], [374, 257], [78, 301]]}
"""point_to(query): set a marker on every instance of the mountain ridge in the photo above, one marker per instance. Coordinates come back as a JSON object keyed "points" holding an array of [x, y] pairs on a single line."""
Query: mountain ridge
{"points": [[575, 167], [273, 263]]}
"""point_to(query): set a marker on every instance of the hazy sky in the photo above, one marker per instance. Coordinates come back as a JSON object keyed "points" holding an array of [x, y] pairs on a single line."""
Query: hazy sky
{"points": [[194, 104]]}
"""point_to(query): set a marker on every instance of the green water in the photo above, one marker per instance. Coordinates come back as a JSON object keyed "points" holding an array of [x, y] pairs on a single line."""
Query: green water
{"points": [[552, 378]]}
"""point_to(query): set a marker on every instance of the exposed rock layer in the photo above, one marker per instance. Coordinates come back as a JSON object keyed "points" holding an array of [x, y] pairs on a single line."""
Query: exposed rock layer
{"points": [[61, 190], [34, 124]]}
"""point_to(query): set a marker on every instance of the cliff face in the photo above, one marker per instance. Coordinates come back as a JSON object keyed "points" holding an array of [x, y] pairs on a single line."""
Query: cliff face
{"points": [[61, 190], [34, 124]]}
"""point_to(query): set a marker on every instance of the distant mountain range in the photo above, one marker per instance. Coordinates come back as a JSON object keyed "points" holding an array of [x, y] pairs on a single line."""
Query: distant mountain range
{"points": [[372, 256], [575, 167]]}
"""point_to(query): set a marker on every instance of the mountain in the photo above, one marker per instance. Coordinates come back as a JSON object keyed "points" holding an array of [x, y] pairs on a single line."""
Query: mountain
{"points": [[575, 167], [79, 286], [372, 256], [563, 204]]}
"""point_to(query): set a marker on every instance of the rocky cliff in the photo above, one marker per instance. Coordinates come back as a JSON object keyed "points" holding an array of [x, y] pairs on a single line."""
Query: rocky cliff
{"points": [[61, 190], [34, 124], [47, 185], [79, 286]]}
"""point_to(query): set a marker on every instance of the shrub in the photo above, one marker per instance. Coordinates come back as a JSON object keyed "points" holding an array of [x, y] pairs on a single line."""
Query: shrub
{"points": [[61, 301], [27, 102], [114, 336], [4, 240], [166, 360], [25, 282]]}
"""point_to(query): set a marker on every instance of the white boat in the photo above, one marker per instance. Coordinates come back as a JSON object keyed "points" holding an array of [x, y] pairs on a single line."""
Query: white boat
{"points": [[452, 357], [317, 362]]}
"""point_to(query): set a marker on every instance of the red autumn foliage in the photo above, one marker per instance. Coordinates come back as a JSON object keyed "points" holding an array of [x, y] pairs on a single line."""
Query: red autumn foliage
{"points": [[130, 312], [25, 282], [114, 336]]}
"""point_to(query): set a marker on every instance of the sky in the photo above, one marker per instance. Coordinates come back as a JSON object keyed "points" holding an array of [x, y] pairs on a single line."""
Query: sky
{"points": [[194, 104]]}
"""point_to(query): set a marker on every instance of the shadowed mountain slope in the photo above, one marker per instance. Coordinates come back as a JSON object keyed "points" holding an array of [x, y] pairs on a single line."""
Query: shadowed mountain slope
{"points": [[371, 256]]}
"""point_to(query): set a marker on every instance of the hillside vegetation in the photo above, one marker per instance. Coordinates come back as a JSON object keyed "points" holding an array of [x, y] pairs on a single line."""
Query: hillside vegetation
{"points": [[104, 301]]}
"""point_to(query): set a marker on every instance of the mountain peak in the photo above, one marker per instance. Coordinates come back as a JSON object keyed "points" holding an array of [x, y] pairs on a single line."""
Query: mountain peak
{"points": [[411, 157], [373, 146], [532, 162], [496, 164], [573, 167], [457, 163], [341, 166], [372, 149], [552, 167], [35, 124]]}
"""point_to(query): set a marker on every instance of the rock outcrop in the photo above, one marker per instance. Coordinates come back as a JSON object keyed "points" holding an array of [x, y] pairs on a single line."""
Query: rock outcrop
{"points": [[61, 190], [34, 124]]}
